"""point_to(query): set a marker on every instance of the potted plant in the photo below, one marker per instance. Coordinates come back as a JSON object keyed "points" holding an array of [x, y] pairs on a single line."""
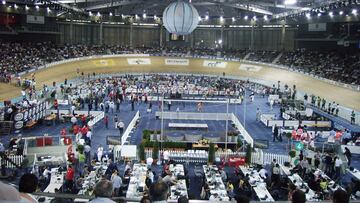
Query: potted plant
{"points": [[292, 154], [211, 157], [141, 152], [155, 151], [289, 136], [248, 154]]}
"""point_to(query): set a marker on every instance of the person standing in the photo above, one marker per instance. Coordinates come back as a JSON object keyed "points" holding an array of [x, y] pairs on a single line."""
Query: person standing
{"points": [[258, 114], [106, 121], [348, 155], [275, 132], [338, 164], [116, 120], [117, 182], [352, 121], [121, 126]]}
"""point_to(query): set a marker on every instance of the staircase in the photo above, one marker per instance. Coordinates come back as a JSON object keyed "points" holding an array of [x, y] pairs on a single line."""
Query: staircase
{"points": [[277, 58]]}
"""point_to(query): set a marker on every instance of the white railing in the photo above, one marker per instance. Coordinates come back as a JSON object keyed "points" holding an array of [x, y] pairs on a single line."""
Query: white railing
{"points": [[128, 130], [201, 156], [192, 116], [242, 130], [17, 159]]}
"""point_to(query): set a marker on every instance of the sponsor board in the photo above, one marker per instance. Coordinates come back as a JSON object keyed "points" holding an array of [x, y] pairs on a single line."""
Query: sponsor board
{"points": [[139, 61], [251, 68], [104, 62], [177, 62], [214, 64]]}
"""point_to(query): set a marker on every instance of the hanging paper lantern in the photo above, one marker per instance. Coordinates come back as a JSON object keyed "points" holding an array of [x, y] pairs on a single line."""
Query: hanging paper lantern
{"points": [[180, 18]]}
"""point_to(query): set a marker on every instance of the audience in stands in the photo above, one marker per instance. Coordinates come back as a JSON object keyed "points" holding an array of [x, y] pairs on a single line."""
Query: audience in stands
{"points": [[333, 65]]}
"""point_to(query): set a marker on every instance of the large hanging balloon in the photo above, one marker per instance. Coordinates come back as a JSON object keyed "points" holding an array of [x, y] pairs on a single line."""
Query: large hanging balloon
{"points": [[180, 18]]}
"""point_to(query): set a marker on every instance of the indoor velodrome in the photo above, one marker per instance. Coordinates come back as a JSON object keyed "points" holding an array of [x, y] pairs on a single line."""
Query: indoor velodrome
{"points": [[179, 101]]}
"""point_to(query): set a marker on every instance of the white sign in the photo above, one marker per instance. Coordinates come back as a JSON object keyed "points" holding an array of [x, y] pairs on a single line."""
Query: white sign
{"points": [[35, 19], [251, 68], [139, 61], [128, 151], [214, 64], [63, 102], [177, 62]]}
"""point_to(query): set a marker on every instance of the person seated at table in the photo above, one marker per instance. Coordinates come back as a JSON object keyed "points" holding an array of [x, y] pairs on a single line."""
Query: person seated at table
{"points": [[341, 196], [323, 184], [263, 173], [298, 196], [170, 179], [103, 191], [205, 190], [223, 175], [111, 168], [127, 174], [159, 192], [28, 184]]}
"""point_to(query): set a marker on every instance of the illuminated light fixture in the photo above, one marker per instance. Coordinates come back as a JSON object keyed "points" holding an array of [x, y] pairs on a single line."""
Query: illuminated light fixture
{"points": [[341, 13], [110, 14], [144, 15], [246, 17], [319, 14], [289, 2], [354, 11], [37, 7], [3, 2], [331, 14], [233, 19], [221, 18], [206, 17], [98, 14]]}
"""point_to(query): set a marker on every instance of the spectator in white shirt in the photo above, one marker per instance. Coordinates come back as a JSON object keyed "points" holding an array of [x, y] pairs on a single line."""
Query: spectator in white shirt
{"points": [[100, 153], [149, 162], [263, 173], [166, 156], [338, 164]]}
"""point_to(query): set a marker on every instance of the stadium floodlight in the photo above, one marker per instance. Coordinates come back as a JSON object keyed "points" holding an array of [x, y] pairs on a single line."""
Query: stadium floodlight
{"points": [[290, 2], [3, 2], [246, 17], [354, 11], [341, 13]]}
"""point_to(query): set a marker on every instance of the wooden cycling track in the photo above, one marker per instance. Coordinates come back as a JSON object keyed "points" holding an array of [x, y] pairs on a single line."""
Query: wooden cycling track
{"points": [[304, 83]]}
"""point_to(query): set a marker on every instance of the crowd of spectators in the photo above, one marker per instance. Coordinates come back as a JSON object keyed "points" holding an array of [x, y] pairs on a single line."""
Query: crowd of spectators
{"points": [[333, 65]]}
